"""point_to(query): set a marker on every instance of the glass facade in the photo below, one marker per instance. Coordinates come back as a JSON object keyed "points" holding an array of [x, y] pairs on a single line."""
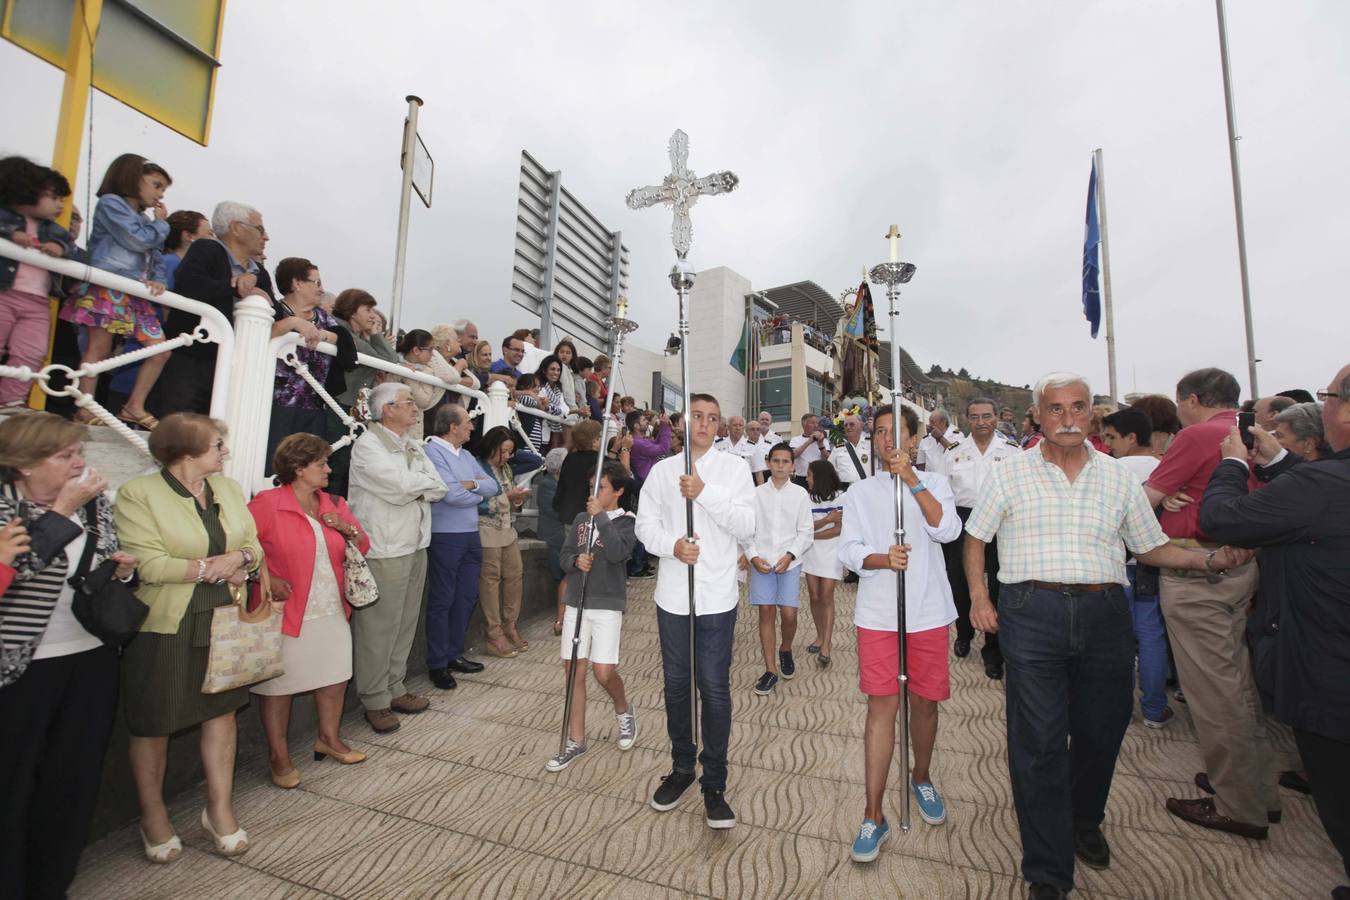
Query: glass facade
{"points": [[773, 392]]}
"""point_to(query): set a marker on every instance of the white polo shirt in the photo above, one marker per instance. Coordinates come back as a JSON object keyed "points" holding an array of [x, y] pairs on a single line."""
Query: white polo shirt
{"points": [[812, 453]]}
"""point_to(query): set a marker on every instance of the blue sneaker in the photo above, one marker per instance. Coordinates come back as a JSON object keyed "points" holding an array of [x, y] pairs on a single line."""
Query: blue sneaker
{"points": [[867, 844], [931, 808]]}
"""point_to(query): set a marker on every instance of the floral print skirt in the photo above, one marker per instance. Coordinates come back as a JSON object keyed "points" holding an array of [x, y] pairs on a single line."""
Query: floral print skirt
{"points": [[113, 311]]}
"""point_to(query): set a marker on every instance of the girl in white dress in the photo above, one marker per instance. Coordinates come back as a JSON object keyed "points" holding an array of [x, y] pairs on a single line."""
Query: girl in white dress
{"points": [[821, 563]]}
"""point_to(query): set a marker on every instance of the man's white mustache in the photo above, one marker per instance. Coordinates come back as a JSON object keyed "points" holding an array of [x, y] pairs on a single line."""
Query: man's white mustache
{"points": [[1069, 429]]}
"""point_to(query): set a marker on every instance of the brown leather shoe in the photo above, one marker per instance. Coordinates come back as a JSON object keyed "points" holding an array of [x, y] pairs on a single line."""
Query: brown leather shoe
{"points": [[1202, 812], [410, 703], [1273, 816], [382, 721]]}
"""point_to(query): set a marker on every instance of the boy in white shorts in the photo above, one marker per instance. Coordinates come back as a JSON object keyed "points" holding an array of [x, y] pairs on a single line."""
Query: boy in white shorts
{"points": [[606, 599]]}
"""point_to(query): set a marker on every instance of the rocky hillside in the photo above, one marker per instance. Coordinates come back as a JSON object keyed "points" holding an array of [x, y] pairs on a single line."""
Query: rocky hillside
{"points": [[957, 388]]}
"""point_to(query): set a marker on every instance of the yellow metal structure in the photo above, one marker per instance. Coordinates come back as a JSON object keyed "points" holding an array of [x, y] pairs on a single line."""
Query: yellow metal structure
{"points": [[160, 57]]}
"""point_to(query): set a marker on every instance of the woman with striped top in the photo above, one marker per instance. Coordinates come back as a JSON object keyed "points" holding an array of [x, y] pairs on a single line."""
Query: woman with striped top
{"points": [[58, 682]]}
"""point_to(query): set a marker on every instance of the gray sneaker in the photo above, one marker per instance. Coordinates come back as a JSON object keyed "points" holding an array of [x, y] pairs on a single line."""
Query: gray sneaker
{"points": [[628, 728], [564, 759]]}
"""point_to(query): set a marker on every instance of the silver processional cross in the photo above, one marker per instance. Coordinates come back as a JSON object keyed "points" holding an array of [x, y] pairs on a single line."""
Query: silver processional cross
{"points": [[681, 190]]}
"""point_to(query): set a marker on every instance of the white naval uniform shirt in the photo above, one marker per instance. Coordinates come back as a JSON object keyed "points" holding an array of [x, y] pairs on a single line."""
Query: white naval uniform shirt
{"points": [[843, 462], [724, 518], [968, 469], [755, 455], [930, 451], [745, 450]]}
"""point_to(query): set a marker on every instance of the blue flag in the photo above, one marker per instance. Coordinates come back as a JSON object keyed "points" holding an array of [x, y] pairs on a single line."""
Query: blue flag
{"points": [[1092, 239]]}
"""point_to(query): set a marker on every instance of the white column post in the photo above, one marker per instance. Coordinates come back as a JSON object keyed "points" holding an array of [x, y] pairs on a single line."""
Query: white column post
{"points": [[498, 412], [249, 409]]}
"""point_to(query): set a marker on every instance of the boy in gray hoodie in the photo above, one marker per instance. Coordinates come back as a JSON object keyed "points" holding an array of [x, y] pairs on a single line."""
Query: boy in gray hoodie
{"points": [[602, 573]]}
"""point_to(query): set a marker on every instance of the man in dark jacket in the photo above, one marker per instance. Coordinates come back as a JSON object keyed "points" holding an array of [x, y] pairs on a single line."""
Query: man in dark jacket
{"points": [[217, 272], [1299, 520]]}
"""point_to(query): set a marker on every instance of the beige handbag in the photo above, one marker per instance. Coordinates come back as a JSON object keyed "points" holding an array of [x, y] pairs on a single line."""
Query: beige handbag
{"points": [[245, 646]]}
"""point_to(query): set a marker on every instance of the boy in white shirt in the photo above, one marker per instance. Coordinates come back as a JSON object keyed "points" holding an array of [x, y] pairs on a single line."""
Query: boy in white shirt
{"points": [[784, 531], [867, 546], [724, 516]]}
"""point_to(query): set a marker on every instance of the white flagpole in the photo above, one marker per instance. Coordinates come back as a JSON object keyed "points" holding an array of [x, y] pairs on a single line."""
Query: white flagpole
{"points": [[1106, 275], [1233, 138]]}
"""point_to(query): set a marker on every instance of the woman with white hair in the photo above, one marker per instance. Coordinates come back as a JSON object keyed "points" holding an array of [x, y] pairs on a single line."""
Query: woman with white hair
{"points": [[447, 363], [393, 485]]}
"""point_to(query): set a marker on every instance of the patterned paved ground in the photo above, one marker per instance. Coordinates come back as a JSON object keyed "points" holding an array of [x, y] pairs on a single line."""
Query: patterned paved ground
{"points": [[457, 803]]}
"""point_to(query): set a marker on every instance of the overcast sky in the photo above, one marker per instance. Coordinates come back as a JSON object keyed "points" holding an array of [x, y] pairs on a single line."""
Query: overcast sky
{"points": [[971, 125]]}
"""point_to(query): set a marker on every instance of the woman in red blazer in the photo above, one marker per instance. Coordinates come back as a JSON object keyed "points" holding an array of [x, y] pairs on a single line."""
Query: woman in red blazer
{"points": [[304, 533]]}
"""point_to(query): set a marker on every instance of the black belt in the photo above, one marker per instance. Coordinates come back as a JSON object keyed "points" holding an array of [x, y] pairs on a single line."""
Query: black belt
{"points": [[1060, 587]]}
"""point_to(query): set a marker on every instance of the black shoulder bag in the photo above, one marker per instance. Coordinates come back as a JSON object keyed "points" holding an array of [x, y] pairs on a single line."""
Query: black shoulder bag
{"points": [[106, 607]]}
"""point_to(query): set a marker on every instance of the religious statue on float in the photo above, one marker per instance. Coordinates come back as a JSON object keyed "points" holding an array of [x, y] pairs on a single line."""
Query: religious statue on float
{"points": [[854, 350]]}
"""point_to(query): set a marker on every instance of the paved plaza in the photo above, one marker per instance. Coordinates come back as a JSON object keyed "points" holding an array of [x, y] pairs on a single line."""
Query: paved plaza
{"points": [[457, 803]]}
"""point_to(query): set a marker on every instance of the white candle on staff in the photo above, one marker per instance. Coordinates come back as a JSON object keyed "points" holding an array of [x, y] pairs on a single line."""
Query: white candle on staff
{"points": [[894, 235]]}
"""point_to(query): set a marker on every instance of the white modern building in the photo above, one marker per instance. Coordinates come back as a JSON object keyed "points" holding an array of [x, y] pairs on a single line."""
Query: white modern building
{"points": [[758, 350]]}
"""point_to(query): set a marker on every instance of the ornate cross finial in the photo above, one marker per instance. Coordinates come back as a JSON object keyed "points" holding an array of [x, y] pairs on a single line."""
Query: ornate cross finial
{"points": [[681, 190]]}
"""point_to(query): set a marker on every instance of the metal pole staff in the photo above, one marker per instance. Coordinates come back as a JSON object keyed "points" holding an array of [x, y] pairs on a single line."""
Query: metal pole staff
{"points": [[894, 274], [620, 325], [682, 279], [401, 247]]}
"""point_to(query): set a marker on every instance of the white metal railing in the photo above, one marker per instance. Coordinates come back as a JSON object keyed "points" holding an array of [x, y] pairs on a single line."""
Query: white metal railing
{"points": [[244, 377], [214, 327]]}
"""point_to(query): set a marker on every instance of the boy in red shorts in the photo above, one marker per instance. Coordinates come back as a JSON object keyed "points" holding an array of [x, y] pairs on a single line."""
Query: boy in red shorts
{"points": [[867, 546]]}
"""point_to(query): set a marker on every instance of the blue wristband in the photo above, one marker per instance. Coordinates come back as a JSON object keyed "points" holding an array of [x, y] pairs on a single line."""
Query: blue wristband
{"points": [[918, 489]]}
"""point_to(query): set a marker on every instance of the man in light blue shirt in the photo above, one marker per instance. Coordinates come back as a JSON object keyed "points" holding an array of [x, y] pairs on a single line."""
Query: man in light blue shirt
{"points": [[455, 556]]}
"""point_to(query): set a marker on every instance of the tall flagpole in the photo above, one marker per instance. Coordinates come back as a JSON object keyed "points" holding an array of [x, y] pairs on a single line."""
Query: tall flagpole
{"points": [[1106, 274], [893, 274], [1233, 138], [620, 325]]}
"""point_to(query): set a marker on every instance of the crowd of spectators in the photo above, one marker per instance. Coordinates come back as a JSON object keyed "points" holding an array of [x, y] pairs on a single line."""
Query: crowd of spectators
{"points": [[434, 502]]}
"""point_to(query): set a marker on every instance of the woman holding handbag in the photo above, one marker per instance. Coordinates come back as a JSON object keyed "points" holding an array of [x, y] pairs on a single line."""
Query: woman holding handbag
{"points": [[305, 533], [196, 541], [58, 682]]}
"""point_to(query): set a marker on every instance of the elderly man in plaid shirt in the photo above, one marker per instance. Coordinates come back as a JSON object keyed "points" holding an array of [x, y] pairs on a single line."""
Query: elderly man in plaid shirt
{"points": [[1064, 515]]}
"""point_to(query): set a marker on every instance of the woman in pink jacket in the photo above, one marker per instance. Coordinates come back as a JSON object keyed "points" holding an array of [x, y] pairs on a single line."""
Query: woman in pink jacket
{"points": [[304, 533]]}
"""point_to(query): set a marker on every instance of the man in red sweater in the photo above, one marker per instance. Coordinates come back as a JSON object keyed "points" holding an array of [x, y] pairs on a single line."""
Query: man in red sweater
{"points": [[1206, 618]]}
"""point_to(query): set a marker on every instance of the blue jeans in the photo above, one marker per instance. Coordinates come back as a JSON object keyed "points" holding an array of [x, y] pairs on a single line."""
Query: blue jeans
{"points": [[1152, 639], [1070, 675], [712, 642], [454, 560]]}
